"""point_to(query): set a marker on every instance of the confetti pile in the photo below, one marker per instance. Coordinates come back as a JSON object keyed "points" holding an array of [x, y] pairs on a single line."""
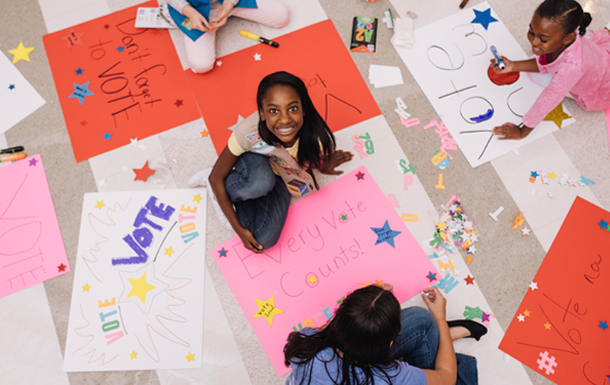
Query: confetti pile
{"points": [[455, 228], [565, 180]]}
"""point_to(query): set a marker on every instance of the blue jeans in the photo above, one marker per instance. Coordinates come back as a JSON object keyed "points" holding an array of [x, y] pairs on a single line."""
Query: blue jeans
{"points": [[417, 344], [260, 197]]}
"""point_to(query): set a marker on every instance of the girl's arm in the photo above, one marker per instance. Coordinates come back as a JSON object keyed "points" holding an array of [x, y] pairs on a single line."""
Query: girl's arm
{"points": [[337, 158], [515, 66], [221, 170]]}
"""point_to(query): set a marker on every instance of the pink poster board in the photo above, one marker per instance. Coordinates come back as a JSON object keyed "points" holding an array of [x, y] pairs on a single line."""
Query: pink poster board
{"points": [[343, 237], [31, 247]]}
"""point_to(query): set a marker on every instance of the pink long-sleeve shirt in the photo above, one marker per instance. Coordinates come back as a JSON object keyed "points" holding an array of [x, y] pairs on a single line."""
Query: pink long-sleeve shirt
{"points": [[583, 70]]}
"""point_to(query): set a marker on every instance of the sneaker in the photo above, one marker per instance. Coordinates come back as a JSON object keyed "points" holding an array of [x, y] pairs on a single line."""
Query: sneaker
{"points": [[202, 179]]}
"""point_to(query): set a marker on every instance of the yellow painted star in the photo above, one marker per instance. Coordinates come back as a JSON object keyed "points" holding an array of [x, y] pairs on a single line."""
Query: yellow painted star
{"points": [[197, 198], [552, 175], [527, 313], [86, 288], [267, 309], [169, 251], [99, 205], [190, 357], [557, 116], [139, 287], [312, 279], [21, 53], [547, 326], [133, 355]]}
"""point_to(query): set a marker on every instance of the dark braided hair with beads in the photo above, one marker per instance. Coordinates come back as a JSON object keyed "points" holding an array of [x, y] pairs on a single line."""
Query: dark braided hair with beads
{"points": [[568, 13]]}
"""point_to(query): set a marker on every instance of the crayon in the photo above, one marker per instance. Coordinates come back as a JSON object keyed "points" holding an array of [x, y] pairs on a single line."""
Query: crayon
{"points": [[259, 38], [15, 156], [463, 4]]}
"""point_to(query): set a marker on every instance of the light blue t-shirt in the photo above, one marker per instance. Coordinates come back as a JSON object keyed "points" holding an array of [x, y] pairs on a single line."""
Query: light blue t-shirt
{"points": [[327, 368]]}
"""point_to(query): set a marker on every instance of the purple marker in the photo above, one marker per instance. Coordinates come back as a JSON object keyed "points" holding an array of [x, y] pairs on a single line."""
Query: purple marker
{"points": [[495, 52]]}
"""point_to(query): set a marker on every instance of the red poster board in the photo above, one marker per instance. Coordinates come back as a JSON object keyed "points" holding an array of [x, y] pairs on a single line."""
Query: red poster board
{"points": [[117, 83], [561, 327], [316, 54]]}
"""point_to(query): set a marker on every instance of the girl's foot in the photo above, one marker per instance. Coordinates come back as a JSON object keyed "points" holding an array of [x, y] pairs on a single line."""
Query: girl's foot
{"points": [[466, 329]]}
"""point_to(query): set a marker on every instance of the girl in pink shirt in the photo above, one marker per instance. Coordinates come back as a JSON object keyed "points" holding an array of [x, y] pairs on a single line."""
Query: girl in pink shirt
{"points": [[579, 64]]}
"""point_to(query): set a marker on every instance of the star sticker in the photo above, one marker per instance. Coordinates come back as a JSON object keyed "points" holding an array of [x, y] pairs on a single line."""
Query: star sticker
{"points": [[139, 288], [484, 18], [197, 198], [121, 48], [547, 326], [360, 175], [21, 53], [190, 357], [603, 224], [550, 195], [219, 63], [521, 318], [86, 288], [204, 133], [257, 57], [222, 253], [485, 317], [534, 174], [385, 234], [527, 313], [101, 182], [84, 123], [81, 92], [73, 38], [267, 309], [33, 162], [179, 102], [343, 218], [431, 276], [557, 116], [143, 173], [79, 71], [532, 179], [107, 136], [133, 355], [469, 280], [169, 251], [533, 285], [469, 259], [239, 120], [11, 86], [61, 267], [603, 325], [472, 249], [312, 280], [99, 205], [552, 175], [525, 231]]}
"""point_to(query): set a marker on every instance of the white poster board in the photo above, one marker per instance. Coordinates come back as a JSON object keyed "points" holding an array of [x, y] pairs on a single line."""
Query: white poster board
{"points": [[137, 300], [450, 60]]}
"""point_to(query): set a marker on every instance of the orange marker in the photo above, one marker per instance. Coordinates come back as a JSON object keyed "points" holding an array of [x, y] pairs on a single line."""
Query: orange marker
{"points": [[8, 158]]}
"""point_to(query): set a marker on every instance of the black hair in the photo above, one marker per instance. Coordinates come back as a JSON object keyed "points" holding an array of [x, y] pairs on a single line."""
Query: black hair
{"points": [[568, 13], [363, 328], [316, 141]]}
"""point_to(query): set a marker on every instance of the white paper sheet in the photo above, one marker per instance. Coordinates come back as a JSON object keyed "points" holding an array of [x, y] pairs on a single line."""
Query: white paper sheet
{"points": [[384, 76]]}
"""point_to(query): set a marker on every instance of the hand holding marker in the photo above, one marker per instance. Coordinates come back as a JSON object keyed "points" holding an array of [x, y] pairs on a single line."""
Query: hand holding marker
{"points": [[495, 52], [258, 38]]}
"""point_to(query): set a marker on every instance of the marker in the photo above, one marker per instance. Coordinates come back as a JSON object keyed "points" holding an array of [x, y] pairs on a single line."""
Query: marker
{"points": [[258, 38], [11, 150], [16, 156], [391, 17], [495, 52], [463, 4]]}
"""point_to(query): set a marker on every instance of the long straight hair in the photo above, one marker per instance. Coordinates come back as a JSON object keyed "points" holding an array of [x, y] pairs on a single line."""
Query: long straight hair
{"points": [[316, 141], [363, 328]]}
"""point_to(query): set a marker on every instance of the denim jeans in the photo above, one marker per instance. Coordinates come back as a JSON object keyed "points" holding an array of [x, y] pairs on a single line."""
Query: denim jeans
{"points": [[260, 197], [417, 344]]}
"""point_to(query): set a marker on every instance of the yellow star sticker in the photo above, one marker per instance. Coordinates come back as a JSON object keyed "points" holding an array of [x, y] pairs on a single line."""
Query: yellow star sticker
{"points": [[469, 259], [557, 116], [99, 205], [190, 357], [197, 198], [139, 287], [21, 53], [133, 355], [312, 279], [552, 175], [527, 313], [169, 251], [547, 326], [86, 288], [204, 133], [267, 309]]}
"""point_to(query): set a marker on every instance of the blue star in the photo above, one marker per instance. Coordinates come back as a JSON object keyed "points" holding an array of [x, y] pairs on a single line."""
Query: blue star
{"points": [[534, 174], [107, 136], [603, 325], [121, 48], [603, 224], [79, 71], [431, 276], [11, 86], [586, 181], [385, 234], [484, 18], [81, 92]]}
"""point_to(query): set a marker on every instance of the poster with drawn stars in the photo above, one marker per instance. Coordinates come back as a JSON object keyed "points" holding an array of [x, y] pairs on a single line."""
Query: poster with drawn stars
{"points": [[560, 329], [345, 236], [137, 299], [116, 82]]}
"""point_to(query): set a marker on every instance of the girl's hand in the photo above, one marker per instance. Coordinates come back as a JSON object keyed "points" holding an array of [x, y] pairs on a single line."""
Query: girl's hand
{"points": [[223, 15], [336, 159], [249, 241], [387, 286], [511, 131], [509, 66], [436, 302], [197, 20]]}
